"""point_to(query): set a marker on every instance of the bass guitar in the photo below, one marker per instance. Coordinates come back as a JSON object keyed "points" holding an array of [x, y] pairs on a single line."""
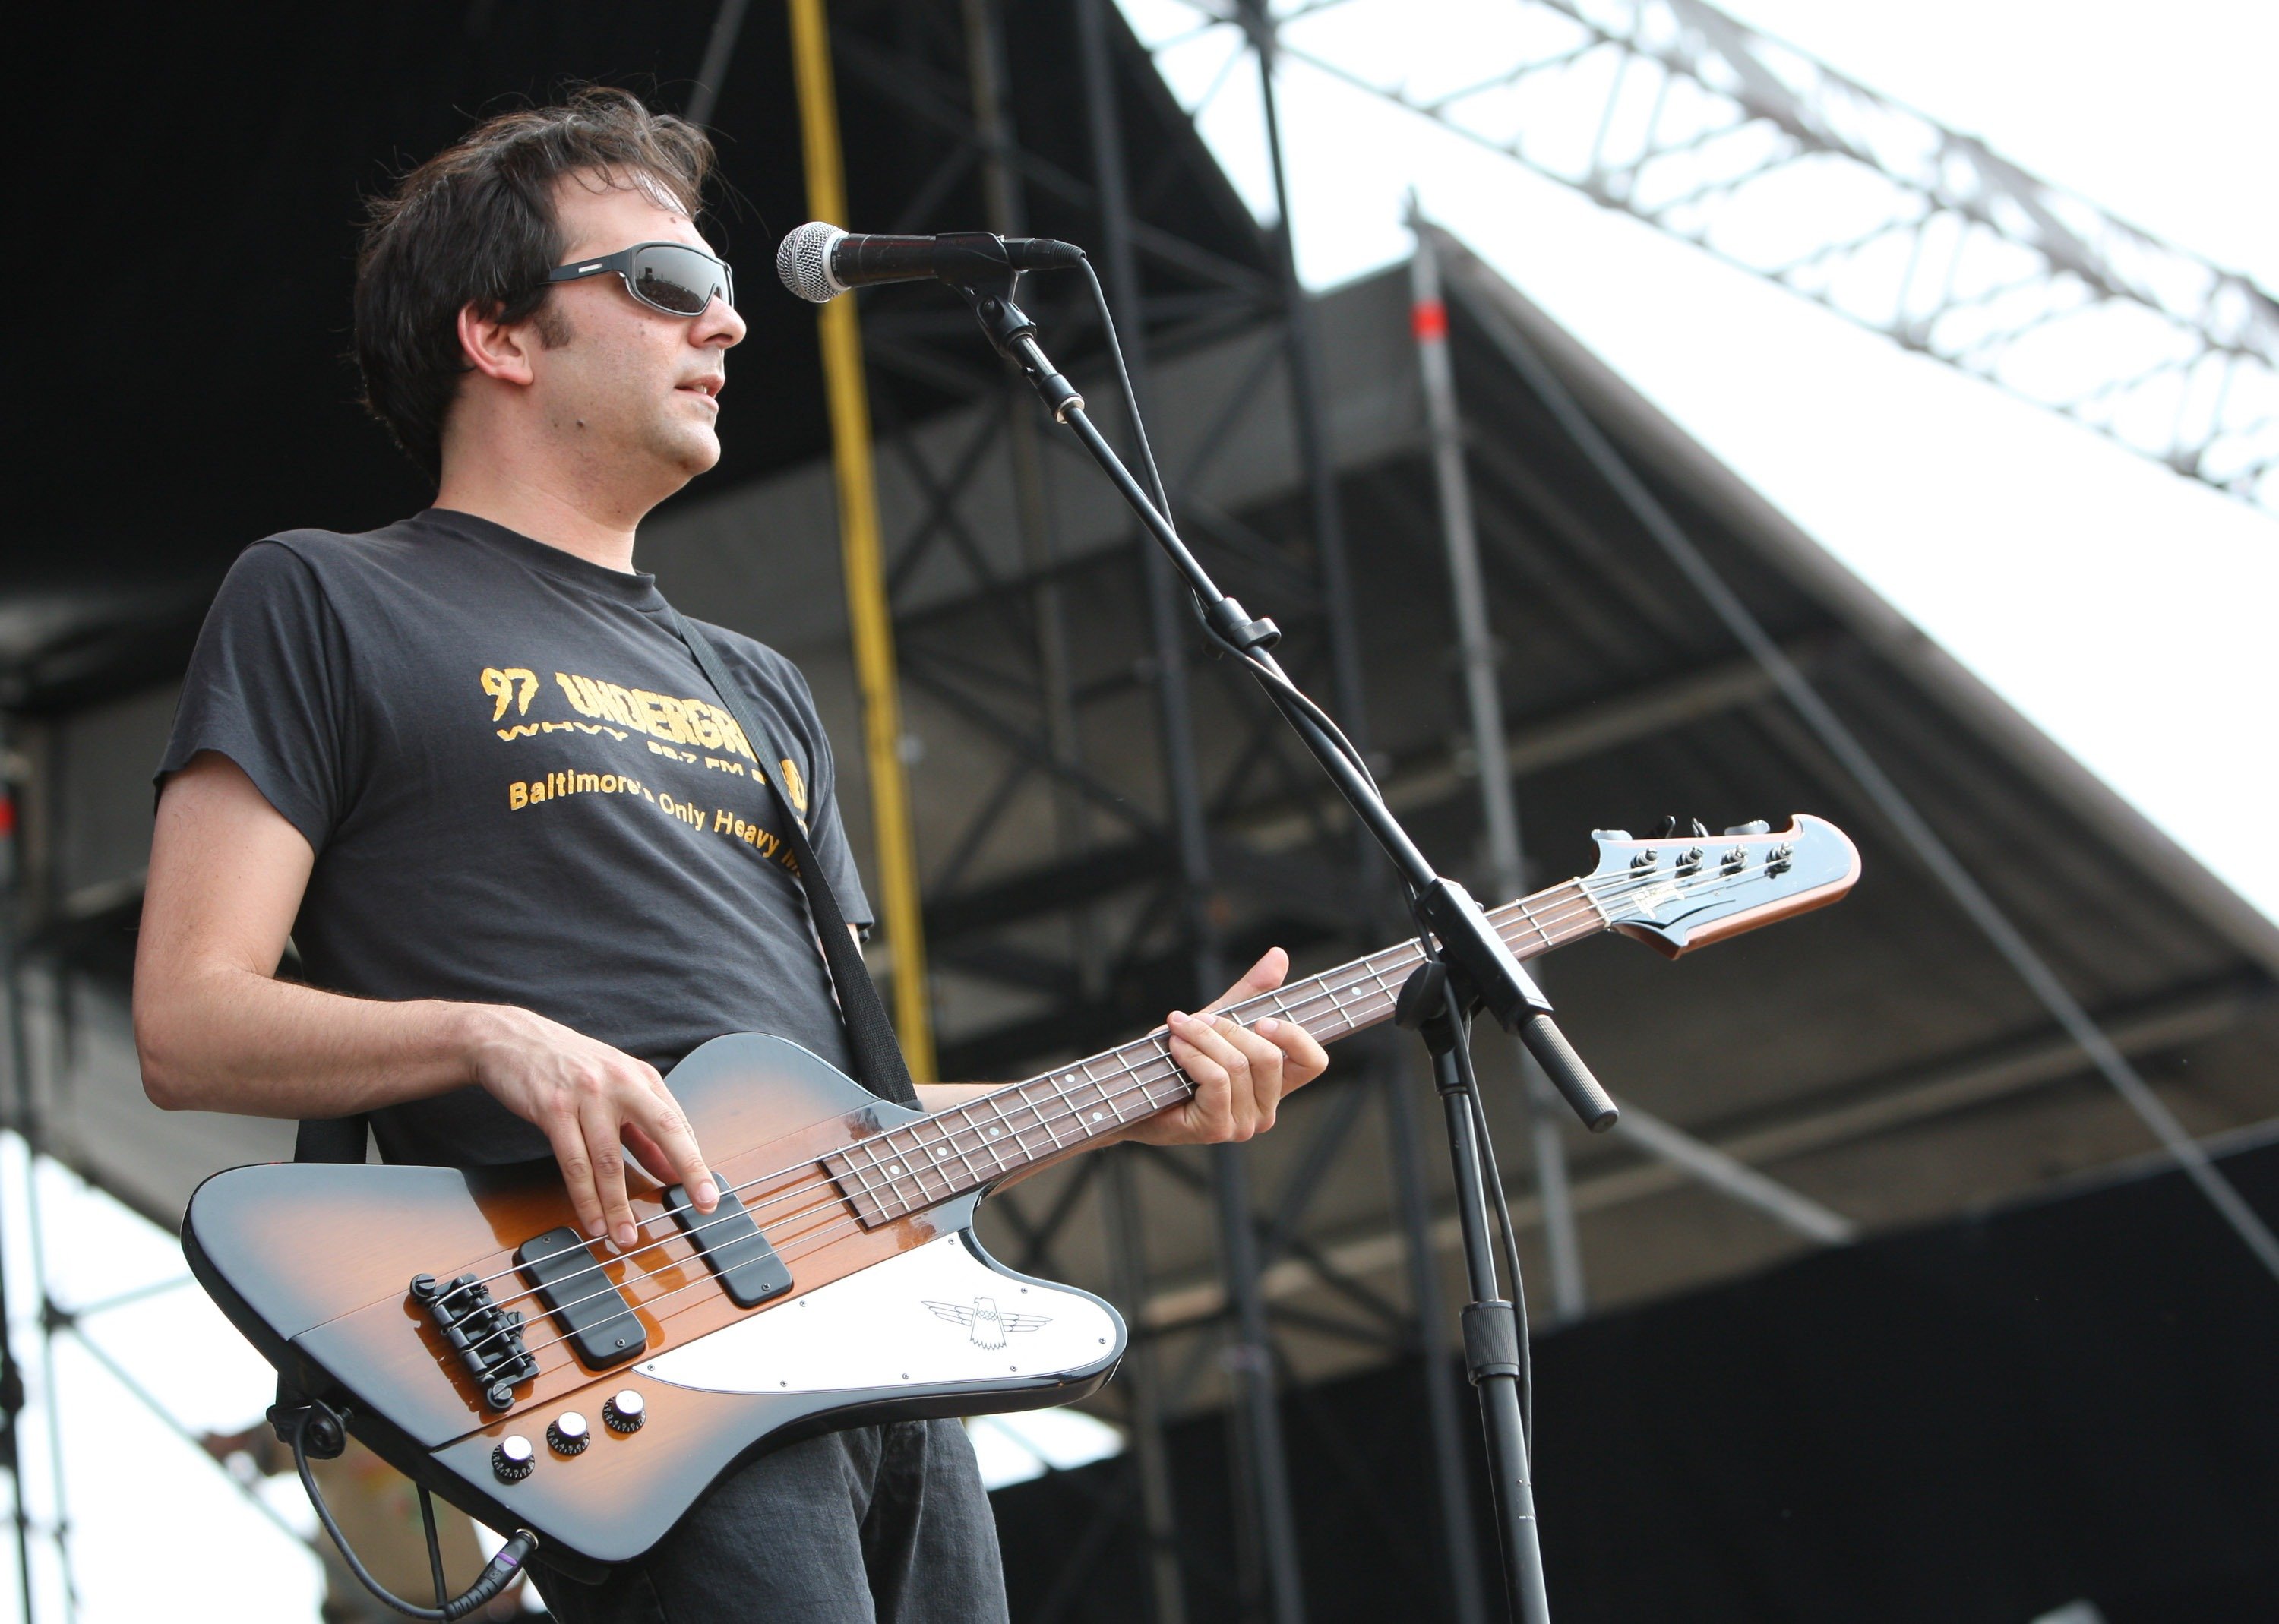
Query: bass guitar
{"points": [[472, 1337]]}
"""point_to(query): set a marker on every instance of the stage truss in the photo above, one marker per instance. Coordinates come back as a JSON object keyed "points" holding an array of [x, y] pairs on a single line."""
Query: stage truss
{"points": [[1701, 126]]}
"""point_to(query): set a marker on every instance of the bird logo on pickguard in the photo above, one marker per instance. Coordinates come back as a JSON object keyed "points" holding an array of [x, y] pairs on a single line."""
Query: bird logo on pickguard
{"points": [[986, 1324]]}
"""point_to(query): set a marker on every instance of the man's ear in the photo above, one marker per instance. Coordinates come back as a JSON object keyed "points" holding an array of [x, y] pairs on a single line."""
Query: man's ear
{"points": [[494, 348]]}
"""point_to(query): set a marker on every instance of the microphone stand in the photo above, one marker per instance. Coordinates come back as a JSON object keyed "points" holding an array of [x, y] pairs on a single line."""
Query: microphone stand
{"points": [[1467, 966]]}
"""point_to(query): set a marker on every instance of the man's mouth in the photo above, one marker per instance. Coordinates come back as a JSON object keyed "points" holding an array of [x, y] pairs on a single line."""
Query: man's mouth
{"points": [[709, 388]]}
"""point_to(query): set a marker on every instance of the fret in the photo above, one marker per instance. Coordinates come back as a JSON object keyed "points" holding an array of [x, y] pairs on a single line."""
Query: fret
{"points": [[934, 1156], [1074, 1112], [1103, 1106], [1320, 988], [1021, 1135], [1104, 1114], [969, 1125], [1043, 1121], [907, 1173], [1181, 1086], [889, 1164], [1149, 1096], [1125, 1095], [870, 1148], [996, 1129], [1527, 920], [949, 1141], [910, 1151]]}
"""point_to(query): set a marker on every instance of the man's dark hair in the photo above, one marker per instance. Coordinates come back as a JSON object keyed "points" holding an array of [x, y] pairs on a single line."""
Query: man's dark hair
{"points": [[475, 224]]}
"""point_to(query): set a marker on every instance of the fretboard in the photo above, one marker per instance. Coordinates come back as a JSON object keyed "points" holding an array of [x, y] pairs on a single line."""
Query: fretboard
{"points": [[907, 1169]]}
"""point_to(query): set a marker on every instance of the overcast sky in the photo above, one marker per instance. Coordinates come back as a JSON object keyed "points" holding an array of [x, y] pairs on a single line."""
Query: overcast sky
{"points": [[2124, 610]]}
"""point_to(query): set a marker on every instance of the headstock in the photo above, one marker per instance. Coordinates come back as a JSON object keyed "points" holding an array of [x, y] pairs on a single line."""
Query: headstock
{"points": [[1681, 890]]}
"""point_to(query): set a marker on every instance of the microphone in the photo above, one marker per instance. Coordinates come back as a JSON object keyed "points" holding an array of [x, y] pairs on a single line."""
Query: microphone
{"points": [[819, 262]]}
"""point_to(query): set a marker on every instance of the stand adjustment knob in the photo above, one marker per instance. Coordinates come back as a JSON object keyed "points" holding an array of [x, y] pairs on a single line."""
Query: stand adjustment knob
{"points": [[513, 1460], [624, 1411], [566, 1435]]}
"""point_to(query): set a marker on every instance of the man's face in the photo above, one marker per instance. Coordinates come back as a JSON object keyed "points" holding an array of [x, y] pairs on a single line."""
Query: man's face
{"points": [[632, 388]]}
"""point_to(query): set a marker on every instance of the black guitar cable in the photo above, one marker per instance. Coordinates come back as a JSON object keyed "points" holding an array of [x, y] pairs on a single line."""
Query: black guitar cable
{"points": [[495, 1577]]}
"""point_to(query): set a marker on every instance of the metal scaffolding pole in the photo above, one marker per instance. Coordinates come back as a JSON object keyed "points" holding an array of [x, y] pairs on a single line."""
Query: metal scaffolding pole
{"points": [[1006, 213], [1123, 284], [1151, 1459], [1256, 1414], [1484, 704], [1306, 408], [12, 1373], [1317, 461], [1484, 700]]}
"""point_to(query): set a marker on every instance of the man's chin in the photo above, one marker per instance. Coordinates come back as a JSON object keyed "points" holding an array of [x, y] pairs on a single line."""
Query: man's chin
{"points": [[693, 452]]}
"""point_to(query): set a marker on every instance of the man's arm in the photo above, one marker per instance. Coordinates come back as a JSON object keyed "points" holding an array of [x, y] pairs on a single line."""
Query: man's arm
{"points": [[217, 1030]]}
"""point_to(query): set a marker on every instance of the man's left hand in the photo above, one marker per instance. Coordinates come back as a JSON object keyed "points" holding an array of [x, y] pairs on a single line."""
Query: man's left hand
{"points": [[1241, 1074]]}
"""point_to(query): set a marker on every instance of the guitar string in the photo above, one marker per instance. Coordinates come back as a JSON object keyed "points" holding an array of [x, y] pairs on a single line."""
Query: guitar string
{"points": [[1129, 1069], [1140, 1078], [1145, 1076], [837, 1195], [1119, 1068], [1322, 984], [835, 1198], [1122, 1067]]}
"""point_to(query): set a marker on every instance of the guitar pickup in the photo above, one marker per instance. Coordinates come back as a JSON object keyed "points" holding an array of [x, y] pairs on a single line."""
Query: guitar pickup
{"points": [[732, 1247], [595, 1319]]}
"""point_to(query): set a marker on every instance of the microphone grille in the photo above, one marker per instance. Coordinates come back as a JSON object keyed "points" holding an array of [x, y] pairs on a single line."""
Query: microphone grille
{"points": [[804, 261]]}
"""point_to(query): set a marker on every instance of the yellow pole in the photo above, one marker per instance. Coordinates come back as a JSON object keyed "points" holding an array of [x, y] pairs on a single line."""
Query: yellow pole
{"points": [[858, 535]]}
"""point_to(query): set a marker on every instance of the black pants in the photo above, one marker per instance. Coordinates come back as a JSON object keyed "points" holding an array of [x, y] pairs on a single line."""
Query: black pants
{"points": [[877, 1525]]}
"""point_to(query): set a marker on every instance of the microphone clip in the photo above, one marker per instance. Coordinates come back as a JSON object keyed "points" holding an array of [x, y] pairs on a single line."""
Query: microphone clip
{"points": [[978, 264], [982, 267]]}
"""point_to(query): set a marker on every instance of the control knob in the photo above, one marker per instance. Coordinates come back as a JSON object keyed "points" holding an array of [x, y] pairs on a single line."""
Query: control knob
{"points": [[567, 1434], [624, 1411], [513, 1459]]}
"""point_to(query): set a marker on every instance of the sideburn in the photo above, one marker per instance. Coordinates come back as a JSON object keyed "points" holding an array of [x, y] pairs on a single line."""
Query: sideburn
{"points": [[552, 326]]}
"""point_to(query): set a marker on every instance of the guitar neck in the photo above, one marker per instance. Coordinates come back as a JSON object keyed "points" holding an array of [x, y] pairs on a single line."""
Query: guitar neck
{"points": [[961, 1149]]}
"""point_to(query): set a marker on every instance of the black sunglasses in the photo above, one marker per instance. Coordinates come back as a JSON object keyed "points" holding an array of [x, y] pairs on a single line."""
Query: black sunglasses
{"points": [[670, 277]]}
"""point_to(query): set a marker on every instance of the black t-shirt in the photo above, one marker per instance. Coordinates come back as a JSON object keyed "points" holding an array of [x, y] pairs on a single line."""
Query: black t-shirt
{"points": [[520, 790]]}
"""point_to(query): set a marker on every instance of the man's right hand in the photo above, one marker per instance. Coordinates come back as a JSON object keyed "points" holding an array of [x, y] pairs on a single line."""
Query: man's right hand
{"points": [[595, 1104]]}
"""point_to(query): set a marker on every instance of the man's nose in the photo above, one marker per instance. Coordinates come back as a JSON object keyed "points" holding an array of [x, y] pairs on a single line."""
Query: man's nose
{"points": [[720, 323]]}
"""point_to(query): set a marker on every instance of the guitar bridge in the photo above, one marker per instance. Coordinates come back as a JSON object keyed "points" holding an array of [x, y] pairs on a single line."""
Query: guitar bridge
{"points": [[486, 1337]]}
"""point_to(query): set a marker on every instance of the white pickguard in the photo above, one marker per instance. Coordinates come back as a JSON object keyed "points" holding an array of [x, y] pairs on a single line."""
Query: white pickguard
{"points": [[934, 1314]]}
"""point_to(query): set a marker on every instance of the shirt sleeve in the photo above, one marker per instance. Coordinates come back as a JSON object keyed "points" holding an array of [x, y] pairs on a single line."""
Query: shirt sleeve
{"points": [[267, 688]]}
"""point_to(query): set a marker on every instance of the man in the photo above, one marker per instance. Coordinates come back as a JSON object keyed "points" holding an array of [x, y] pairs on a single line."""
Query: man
{"points": [[463, 765]]}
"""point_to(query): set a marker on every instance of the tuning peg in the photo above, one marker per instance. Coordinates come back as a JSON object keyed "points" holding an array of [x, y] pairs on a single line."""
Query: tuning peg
{"points": [[1754, 826], [1700, 829], [1668, 828]]}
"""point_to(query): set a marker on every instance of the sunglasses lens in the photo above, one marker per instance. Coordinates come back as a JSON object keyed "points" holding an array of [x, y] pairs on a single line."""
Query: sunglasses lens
{"points": [[677, 280]]}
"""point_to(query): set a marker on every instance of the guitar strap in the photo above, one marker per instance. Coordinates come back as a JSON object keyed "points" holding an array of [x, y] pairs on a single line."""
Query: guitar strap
{"points": [[879, 1063], [334, 1138]]}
